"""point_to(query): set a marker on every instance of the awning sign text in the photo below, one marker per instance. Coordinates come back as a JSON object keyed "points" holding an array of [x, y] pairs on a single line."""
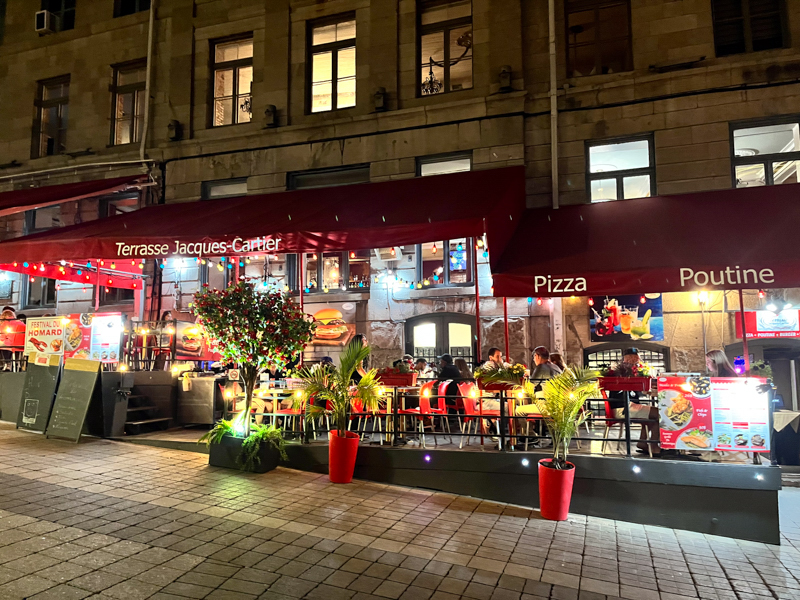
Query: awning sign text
{"points": [[236, 246]]}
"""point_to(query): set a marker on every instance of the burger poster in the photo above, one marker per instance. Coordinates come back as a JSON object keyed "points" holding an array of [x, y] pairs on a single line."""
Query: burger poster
{"points": [[192, 344], [335, 323]]}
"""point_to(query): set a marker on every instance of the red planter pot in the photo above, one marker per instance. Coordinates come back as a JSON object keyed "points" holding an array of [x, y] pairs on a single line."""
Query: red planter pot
{"points": [[398, 379], [555, 490], [342, 456]]}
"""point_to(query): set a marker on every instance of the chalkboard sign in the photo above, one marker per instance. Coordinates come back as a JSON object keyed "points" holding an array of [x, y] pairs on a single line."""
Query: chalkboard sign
{"points": [[38, 391], [74, 396]]}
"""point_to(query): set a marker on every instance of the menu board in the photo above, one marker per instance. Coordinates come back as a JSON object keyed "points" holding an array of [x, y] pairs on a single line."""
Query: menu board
{"points": [[92, 336], [714, 413], [763, 324], [44, 334], [74, 395], [38, 391]]}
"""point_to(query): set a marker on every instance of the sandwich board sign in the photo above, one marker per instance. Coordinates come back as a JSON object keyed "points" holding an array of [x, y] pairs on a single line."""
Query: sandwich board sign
{"points": [[75, 393], [38, 391]]}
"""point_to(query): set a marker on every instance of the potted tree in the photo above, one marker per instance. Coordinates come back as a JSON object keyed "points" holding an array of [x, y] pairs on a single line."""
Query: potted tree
{"points": [[560, 403], [330, 390], [251, 330]]}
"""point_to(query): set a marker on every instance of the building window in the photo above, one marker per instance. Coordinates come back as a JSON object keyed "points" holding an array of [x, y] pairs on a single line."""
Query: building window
{"points": [[233, 78], [215, 273], [128, 93], [111, 207], [621, 169], [39, 293], [442, 165], [332, 56], [748, 25], [598, 37], [445, 46], [113, 296], [42, 219], [224, 188], [319, 178], [766, 155], [63, 10], [52, 111], [129, 7]]}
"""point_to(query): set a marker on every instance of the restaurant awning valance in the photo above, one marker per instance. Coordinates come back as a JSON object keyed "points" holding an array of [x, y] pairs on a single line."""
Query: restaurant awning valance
{"points": [[730, 239], [352, 217], [16, 201]]}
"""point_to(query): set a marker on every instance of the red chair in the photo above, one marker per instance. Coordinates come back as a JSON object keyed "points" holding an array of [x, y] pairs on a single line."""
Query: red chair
{"points": [[611, 422], [424, 412], [473, 414]]}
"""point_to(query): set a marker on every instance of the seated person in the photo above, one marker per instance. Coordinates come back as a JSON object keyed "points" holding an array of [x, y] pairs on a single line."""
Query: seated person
{"points": [[422, 368], [629, 367], [544, 370]]}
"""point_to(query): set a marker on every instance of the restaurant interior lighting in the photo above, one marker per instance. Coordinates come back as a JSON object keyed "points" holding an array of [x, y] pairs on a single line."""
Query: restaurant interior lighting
{"points": [[702, 297]]}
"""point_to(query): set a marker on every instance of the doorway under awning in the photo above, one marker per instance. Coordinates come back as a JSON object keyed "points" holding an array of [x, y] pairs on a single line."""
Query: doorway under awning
{"points": [[729, 239]]}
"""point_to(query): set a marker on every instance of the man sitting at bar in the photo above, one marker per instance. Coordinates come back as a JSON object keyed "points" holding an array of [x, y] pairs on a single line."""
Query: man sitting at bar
{"points": [[629, 367]]}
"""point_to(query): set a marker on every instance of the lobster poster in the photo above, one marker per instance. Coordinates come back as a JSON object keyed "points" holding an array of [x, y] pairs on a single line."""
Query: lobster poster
{"points": [[713, 413], [44, 335]]}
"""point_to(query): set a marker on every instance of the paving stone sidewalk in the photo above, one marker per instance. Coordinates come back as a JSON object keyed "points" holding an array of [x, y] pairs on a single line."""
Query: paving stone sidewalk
{"points": [[117, 521]]}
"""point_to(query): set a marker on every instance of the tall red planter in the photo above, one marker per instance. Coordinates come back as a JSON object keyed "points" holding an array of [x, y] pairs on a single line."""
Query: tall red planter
{"points": [[555, 490], [342, 456]]}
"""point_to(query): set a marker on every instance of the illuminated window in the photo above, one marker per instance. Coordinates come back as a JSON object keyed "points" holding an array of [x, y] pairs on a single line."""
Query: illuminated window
{"points": [[598, 37], [620, 169], [129, 98], [445, 46], [767, 154], [52, 111], [332, 60], [233, 78]]}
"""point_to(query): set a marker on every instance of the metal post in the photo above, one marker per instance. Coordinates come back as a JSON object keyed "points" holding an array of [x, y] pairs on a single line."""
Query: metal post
{"points": [[745, 349], [395, 402], [501, 425], [505, 323], [97, 287], [703, 323], [628, 424], [477, 311]]}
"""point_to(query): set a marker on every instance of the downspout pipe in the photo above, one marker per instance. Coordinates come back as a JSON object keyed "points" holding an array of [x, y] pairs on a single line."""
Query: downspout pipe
{"points": [[148, 79], [551, 6]]}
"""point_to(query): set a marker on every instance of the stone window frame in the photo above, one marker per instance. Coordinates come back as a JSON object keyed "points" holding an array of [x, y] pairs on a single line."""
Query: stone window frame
{"points": [[122, 9], [48, 289], [766, 159], [236, 65], [136, 89], [63, 10], [334, 48], [572, 6], [446, 27], [747, 27], [621, 175], [62, 103]]}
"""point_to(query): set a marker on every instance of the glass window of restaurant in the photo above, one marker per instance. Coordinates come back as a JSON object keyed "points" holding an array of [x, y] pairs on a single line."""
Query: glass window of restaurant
{"points": [[331, 271], [332, 64], [595, 357], [429, 336], [765, 152], [444, 46], [620, 169], [38, 292], [598, 37], [213, 271], [118, 205], [232, 80]]}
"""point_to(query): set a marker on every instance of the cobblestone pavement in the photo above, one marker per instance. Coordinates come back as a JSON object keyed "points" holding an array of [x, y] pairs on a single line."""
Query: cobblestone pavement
{"points": [[117, 521]]}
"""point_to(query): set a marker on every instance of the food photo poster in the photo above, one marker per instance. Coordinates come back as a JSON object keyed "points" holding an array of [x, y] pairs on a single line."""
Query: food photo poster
{"points": [[626, 318]]}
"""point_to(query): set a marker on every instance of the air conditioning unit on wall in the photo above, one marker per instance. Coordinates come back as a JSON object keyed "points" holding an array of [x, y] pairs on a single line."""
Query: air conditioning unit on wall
{"points": [[45, 22]]}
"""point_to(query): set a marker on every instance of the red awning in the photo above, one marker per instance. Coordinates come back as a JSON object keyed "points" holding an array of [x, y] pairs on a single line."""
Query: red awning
{"points": [[728, 239], [21, 200], [352, 217]]}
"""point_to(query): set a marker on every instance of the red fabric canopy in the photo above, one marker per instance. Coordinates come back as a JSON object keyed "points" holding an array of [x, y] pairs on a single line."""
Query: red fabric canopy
{"points": [[352, 217], [21, 200], [729, 239]]}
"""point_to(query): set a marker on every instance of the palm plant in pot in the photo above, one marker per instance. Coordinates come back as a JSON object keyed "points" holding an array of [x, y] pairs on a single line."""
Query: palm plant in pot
{"points": [[330, 390], [561, 402], [251, 330]]}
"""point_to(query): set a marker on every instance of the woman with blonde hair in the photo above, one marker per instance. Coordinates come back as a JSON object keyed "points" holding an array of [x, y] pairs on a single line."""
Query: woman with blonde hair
{"points": [[719, 365]]}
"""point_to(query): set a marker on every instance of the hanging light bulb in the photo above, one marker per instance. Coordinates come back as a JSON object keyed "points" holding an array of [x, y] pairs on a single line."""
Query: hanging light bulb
{"points": [[141, 266], [434, 249], [247, 260], [761, 294], [460, 247], [480, 243], [352, 255], [220, 267], [427, 282], [642, 300], [113, 265], [591, 301], [393, 252], [539, 301]]}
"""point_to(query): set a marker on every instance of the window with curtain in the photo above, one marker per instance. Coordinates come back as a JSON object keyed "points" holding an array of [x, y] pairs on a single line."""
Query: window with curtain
{"points": [[128, 92], [445, 46], [748, 25], [232, 81], [620, 169], [332, 59]]}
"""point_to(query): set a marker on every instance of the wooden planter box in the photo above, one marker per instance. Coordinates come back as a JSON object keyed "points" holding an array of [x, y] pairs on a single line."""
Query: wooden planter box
{"points": [[625, 384], [398, 379], [227, 451]]}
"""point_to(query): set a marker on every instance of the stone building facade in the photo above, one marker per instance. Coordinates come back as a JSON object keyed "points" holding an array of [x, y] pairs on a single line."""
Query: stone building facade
{"points": [[678, 76]]}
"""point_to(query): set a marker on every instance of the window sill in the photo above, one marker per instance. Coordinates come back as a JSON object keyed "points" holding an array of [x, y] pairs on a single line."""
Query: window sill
{"points": [[349, 296]]}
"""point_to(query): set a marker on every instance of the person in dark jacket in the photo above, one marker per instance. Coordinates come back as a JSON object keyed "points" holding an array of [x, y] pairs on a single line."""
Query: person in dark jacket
{"points": [[447, 370]]}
